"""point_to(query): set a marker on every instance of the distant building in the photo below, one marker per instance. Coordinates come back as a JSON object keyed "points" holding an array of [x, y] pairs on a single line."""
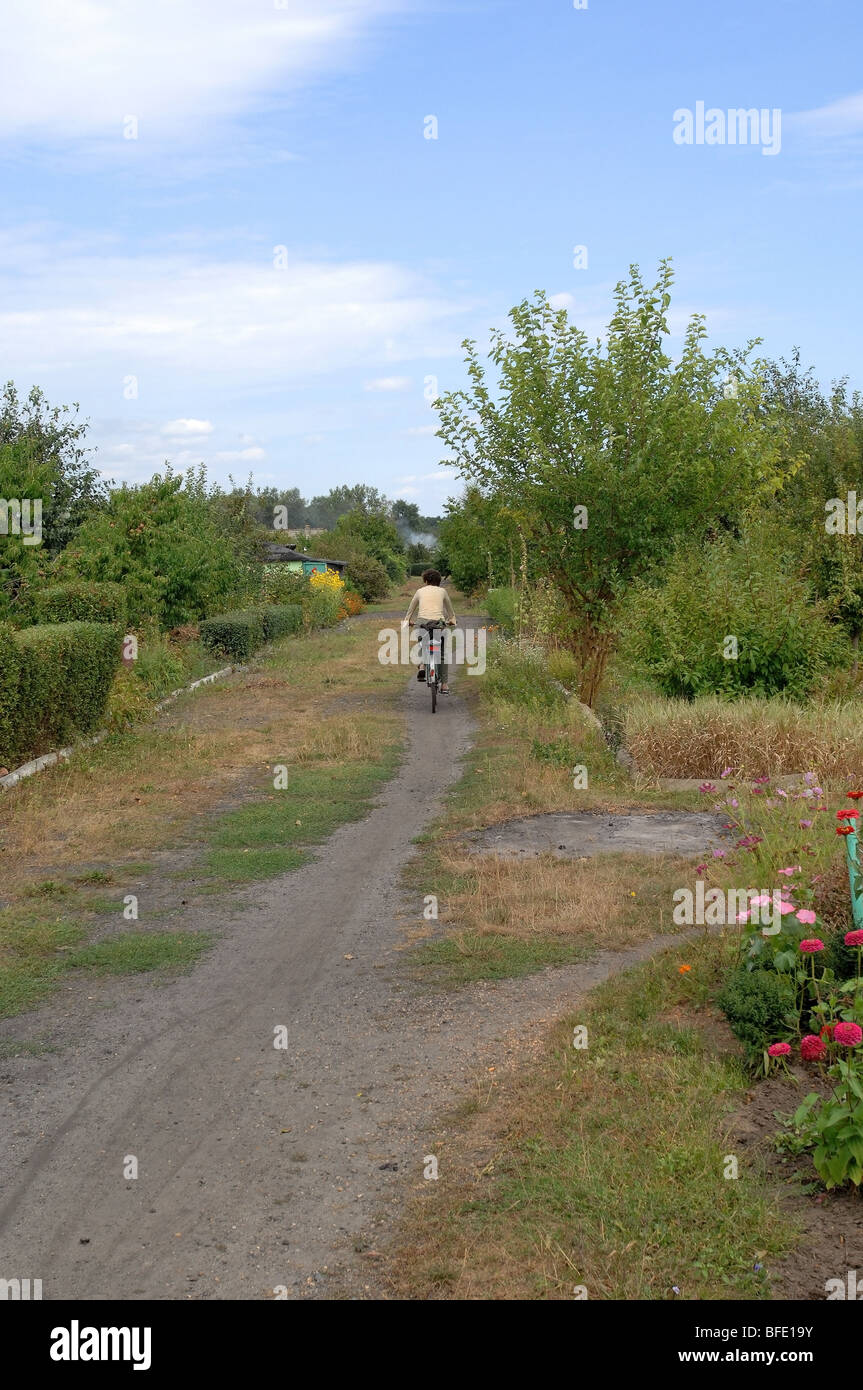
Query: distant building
{"points": [[297, 562]]}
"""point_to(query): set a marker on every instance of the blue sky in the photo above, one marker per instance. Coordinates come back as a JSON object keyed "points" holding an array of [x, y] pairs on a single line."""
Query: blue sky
{"points": [[140, 276]]}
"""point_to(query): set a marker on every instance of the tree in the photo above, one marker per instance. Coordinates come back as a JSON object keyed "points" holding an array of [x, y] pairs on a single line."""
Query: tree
{"points": [[605, 453], [479, 543], [50, 439]]}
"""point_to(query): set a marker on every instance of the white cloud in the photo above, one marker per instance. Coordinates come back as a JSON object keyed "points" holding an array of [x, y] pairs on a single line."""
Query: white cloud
{"points": [[408, 492], [561, 301], [389, 383], [422, 429], [252, 455], [842, 117], [78, 68], [187, 313], [178, 429]]}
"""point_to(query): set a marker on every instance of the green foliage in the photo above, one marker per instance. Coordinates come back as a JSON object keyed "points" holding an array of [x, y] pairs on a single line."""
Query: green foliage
{"points": [[321, 607], [652, 448], [744, 588], [79, 601], [10, 671], [760, 1008], [479, 542], [283, 585], [833, 1127], [171, 543], [517, 672], [378, 537], [236, 635], [502, 606], [369, 577], [49, 438], [280, 619], [65, 673]]}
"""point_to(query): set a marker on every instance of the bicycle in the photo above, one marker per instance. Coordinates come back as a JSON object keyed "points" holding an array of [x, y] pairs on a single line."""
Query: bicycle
{"points": [[433, 664]]}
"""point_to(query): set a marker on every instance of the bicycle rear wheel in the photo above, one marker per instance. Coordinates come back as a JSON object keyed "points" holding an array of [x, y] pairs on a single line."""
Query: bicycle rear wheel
{"points": [[434, 691]]}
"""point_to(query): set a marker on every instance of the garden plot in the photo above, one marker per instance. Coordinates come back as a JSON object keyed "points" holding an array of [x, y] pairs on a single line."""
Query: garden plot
{"points": [[578, 834]]}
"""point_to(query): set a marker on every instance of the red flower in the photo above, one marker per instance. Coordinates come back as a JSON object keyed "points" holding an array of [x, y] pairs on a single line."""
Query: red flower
{"points": [[848, 1034], [844, 830], [855, 796], [811, 945], [854, 938], [847, 813], [827, 1032], [812, 1049], [779, 1050]]}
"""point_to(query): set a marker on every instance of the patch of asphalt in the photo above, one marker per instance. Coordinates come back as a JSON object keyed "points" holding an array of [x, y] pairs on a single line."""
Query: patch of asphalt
{"points": [[261, 1169], [579, 834]]}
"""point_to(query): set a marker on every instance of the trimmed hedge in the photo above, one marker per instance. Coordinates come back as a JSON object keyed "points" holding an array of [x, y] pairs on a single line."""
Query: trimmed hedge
{"points": [[10, 667], [60, 690], [241, 633], [234, 634], [281, 619], [79, 602]]}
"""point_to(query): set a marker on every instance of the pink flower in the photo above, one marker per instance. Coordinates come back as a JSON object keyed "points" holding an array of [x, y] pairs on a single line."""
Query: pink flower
{"points": [[805, 825], [812, 1049], [795, 869], [707, 787], [783, 794], [742, 916], [779, 1050], [785, 907], [806, 916], [719, 854], [811, 945], [726, 772], [734, 802], [854, 938], [848, 1034]]}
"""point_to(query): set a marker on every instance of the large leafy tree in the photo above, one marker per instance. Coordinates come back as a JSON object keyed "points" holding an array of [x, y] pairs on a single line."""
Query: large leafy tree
{"points": [[479, 542], [606, 452]]}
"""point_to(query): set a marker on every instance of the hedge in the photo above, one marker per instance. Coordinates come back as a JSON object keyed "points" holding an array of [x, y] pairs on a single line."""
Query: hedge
{"points": [[79, 602], [281, 619], [241, 633], [234, 634], [61, 686]]}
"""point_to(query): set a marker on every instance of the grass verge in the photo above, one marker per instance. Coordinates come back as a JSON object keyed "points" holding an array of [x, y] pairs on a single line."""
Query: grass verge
{"points": [[602, 1168]]}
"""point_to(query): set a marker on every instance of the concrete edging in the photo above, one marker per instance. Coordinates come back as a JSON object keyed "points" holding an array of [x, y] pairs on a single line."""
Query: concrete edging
{"points": [[63, 755]]}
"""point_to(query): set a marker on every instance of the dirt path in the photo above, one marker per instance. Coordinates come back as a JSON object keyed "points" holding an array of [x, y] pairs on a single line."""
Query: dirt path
{"points": [[260, 1167]]}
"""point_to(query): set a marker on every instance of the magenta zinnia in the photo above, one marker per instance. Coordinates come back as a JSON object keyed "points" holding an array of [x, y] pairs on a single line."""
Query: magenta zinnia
{"points": [[812, 944], [848, 1034], [812, 1049], [779, 1049]]}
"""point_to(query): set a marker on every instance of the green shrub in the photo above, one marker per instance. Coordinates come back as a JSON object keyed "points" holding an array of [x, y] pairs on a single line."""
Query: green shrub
{"points": [[746, 589], [280, 584], [64, 681], [159, 667], [321, 608], [280, 619], [79, 601], [370, 578], [10, 669], [759, 1006], [236, 635]]}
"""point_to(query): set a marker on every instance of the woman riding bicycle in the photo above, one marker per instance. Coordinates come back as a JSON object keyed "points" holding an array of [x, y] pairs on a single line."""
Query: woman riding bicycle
{"points": [[429, 608]]}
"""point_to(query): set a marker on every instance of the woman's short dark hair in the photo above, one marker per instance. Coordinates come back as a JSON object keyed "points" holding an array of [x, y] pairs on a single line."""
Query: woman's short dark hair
{"points": [[431, 576]]}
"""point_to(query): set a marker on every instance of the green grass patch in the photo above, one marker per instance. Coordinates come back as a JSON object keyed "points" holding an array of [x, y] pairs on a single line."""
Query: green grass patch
{"points": [[608, 1164], [134, 953], [32, 955], [464, 957], [273, 835]]}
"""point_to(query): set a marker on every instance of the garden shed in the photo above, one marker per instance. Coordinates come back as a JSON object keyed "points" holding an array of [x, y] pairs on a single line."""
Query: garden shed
{"points": [[299, 563]]}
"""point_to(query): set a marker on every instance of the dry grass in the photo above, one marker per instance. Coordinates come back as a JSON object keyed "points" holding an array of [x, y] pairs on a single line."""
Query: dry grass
{"points": [[141, 791], [675, 738], [348, 738], [611, 901]]}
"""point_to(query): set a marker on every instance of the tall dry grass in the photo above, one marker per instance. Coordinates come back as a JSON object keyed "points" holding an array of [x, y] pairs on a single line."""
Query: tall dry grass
{"points": [[755, 737]]}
